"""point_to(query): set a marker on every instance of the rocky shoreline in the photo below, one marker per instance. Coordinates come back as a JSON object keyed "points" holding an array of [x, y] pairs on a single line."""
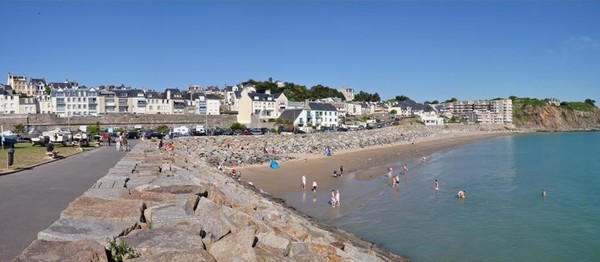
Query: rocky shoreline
{"points": [[179, 206]]}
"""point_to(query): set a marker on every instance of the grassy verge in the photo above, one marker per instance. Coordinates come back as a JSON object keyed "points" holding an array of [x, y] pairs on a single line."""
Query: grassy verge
{"points": [[27, 155]]}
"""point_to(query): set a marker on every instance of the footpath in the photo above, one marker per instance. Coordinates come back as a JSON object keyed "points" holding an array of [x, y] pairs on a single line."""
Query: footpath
{"points": [[33, 198]]}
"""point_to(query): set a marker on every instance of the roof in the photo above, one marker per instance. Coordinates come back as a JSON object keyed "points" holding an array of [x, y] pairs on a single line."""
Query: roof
{"points": [[277, 95], [128, 93], [321, 106], [260, 97], [197, 96], [37, 80], [152, 94], [291, 114], [413, 105]]}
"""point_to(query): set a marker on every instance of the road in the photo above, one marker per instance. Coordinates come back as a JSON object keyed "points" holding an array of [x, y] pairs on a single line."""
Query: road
{"points": [[31, 200]]}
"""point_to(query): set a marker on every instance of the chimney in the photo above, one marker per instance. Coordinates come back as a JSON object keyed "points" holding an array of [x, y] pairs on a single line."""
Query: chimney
{"points": [[306, 104]]}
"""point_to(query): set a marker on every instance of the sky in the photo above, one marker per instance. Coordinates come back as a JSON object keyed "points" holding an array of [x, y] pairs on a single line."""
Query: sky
{"points": [[426, 50]]}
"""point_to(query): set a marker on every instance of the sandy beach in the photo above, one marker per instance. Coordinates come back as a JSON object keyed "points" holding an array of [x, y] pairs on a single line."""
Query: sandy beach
{"points": [[320, 167]]}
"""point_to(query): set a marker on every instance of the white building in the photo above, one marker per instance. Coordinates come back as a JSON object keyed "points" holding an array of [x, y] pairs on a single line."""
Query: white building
{"points": [[9, 102], [313, 114], [498, 111], [206, 104], [74, 101]]}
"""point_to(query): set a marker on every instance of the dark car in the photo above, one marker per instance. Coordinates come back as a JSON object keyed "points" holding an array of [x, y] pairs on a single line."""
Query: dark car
{"points": [[132, 134], [342, 129], [218, 132], [153, 134]]}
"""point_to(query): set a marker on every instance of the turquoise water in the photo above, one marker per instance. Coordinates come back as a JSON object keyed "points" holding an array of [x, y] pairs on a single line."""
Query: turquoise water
{"points": [[503, 218]]}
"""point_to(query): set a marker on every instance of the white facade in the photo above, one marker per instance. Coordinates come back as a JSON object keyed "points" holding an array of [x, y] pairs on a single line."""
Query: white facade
{"points": [[158, 106], [483, 111], [9, 103], [431, 120], [353, 109], [75, 102]]}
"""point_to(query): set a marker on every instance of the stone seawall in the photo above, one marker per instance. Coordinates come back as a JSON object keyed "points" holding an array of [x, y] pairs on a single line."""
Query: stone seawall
{"points": [[174, 206], [43, 122], [228, 151]]}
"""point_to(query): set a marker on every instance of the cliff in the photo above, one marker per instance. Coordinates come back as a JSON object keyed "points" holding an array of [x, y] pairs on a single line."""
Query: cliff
{"points": [[546, 117]]}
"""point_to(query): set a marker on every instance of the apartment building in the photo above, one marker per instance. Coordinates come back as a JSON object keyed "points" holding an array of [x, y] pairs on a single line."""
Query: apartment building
{"points": [[258, 105], [27, 105], [74, 101], [497, 111], [157, 103], [206, 104], [9, 101]]}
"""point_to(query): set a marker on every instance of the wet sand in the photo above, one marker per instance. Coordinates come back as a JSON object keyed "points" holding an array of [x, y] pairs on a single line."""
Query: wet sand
{"points": [[366, 163]]}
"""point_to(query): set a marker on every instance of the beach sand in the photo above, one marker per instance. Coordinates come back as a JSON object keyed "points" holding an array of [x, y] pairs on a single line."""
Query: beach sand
{"points": [[366, 162]]}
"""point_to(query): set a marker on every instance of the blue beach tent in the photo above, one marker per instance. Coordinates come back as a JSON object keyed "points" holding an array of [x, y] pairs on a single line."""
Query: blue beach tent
{"points": [[274, 164]]}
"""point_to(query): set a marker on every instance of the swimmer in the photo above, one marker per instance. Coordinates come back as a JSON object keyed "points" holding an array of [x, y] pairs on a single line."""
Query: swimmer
{"points": [[461, 194], [544, 193], [436, 185]]}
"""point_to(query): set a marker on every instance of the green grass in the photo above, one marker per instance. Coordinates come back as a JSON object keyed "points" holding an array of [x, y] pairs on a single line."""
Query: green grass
{"points": [[578, 106], [27, 155]]}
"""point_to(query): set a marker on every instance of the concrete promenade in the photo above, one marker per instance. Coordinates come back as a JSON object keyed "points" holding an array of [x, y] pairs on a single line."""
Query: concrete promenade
{"points": [[31, 200]]}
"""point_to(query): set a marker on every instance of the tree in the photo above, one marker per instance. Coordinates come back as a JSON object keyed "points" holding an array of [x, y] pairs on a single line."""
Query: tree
{"points": [[435, 102], [590, 102], [162, 129], [47, 90], [451, 100], [393, 112], [237, 126], [401, 98], [19, 129]]}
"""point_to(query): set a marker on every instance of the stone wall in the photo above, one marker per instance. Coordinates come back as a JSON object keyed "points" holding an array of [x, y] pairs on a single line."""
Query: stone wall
{"points": [[43, 122]]}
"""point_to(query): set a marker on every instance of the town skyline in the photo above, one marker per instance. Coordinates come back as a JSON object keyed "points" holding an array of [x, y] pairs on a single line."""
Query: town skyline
{"points": [[426, 51]]}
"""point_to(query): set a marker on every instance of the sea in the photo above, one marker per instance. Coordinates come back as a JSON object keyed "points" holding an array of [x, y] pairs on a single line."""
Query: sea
{"points": [[504, 216]]}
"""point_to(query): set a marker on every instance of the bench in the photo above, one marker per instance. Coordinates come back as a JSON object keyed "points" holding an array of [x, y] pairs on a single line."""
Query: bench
{"points": [[53, 154]]}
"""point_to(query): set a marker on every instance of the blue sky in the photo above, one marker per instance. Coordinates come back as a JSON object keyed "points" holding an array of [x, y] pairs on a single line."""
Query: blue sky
{"points": [[430, 50]]}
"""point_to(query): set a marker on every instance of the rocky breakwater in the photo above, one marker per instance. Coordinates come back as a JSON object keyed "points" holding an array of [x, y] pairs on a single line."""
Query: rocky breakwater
{"points": [[174, 206], [235, 151]]}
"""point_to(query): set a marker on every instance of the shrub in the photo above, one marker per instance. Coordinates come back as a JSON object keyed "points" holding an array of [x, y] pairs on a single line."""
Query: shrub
{"points": [[121, 250]]}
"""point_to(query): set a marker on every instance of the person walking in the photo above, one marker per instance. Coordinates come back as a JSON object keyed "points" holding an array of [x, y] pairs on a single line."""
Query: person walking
{"points": [[314, 186], [337, 197]]}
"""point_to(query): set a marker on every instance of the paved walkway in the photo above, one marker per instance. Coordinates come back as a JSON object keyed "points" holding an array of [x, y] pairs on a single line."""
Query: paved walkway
{"points": [[31, 200]]}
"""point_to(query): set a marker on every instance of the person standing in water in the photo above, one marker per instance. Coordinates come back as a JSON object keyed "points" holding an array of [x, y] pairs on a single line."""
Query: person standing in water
{"points": [[544, 193], [314, 186], [337, 197], [436, 185], [303, 181], [333, 203], [405, 169]]}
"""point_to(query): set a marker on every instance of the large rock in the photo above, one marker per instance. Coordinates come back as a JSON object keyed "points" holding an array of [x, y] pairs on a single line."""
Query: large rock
{"points": [[74, 229], [212, 219], [274, 243], [127, 211], [235, 247], [154, 244], [63, 251]]}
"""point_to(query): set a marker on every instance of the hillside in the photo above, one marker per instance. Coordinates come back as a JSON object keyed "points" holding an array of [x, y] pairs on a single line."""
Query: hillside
{"points": [[568, 116]]}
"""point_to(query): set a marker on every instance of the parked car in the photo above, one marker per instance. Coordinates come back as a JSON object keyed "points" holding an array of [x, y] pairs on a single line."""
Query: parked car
{"points": [[218, 132], [152, 134], [132, 134], [342, 129], [254, 131]]}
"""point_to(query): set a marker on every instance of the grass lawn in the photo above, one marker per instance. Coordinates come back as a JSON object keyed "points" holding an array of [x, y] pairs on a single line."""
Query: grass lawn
{"points": [[27, 155]]}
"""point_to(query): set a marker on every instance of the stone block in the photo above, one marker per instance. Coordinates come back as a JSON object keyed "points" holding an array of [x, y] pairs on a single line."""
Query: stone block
{"points": [[235, 247], [73, 229], [63, 251]]}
